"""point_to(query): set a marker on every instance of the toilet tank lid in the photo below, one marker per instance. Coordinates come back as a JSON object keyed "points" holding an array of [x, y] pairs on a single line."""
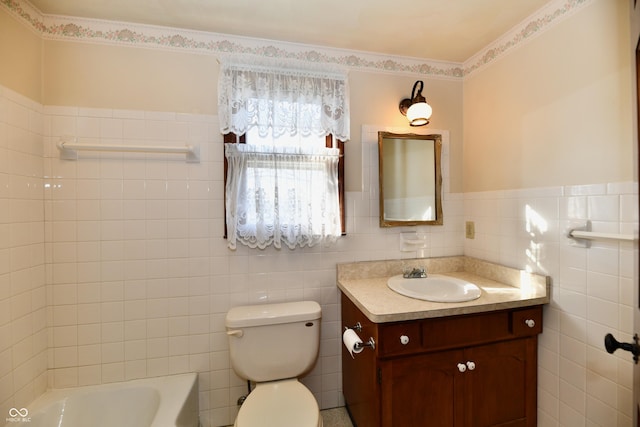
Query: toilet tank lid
{"points": [[272, 314]]}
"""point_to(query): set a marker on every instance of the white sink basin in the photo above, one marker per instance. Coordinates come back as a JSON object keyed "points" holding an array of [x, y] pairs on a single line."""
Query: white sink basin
{"points": [[435, 287]]}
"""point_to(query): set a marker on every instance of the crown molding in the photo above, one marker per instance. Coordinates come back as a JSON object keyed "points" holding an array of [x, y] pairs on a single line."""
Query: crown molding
{"points": [[66, 28]]}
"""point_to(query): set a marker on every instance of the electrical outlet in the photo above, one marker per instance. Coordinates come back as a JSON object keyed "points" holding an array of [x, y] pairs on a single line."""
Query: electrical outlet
{"points": [[470, 229]]}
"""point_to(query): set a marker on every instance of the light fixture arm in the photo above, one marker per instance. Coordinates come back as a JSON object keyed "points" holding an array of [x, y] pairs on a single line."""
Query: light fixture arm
{"points": [[417, 97]]}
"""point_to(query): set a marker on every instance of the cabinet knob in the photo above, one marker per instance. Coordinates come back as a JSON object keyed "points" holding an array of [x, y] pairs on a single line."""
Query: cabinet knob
{"points": [[471, 365], [530, 323], [462, 367], [404, 340]]}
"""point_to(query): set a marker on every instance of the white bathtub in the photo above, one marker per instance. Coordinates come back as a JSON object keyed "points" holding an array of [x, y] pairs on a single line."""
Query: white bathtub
{"points": [[170, 401]]}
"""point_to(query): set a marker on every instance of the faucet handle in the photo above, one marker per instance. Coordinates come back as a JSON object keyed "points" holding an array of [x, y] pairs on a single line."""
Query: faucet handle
{"points": [[413, 272]]}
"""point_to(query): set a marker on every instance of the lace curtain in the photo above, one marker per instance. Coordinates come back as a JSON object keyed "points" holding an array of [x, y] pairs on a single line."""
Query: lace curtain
{"points": [[278, 196], [292, 101]]}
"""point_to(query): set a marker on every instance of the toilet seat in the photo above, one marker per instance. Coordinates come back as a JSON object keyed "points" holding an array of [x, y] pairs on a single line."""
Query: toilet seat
{"points": [[286, 403]]}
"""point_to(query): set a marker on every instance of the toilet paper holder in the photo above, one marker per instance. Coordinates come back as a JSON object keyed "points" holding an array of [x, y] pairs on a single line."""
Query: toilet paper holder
{"points": [[371, 343], [357, 327]]}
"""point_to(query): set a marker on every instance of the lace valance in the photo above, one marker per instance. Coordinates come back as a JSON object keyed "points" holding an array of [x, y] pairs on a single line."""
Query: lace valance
{"points": [[309, 102]]}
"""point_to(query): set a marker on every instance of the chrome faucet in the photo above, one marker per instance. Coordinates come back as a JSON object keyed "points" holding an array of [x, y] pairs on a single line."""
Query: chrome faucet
{"points": [[414, 273]]}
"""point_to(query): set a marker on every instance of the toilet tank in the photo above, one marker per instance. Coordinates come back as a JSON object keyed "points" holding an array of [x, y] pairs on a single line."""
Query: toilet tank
{"points": [[270, 342]]}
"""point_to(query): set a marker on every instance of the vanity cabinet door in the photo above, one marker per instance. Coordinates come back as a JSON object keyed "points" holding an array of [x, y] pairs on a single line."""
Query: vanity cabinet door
{"points": [[480, 386], [475, 370], [424, 390], [500, 390]]}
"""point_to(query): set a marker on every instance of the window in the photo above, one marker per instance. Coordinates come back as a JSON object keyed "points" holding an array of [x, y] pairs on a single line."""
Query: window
{"points": [[284, 180], [297, 189]]}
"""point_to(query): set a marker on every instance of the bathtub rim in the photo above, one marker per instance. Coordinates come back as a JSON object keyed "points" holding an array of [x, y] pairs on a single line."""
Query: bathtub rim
{"points": [[174, 390]]}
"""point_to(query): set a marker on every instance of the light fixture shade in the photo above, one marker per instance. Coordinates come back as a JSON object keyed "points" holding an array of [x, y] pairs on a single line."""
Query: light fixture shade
{"points": [[419, 113]]}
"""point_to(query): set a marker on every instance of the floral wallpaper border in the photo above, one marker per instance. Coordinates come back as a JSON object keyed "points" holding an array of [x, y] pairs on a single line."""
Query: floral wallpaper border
{"points": [[147, 36], [548, 16]]}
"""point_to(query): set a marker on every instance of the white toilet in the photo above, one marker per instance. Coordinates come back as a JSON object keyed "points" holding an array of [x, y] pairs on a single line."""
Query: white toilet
{"points": [[272, 345]]}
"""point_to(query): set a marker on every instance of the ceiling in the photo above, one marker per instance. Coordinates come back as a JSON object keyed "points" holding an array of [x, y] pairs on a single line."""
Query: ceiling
{"points": [[446, 30]]}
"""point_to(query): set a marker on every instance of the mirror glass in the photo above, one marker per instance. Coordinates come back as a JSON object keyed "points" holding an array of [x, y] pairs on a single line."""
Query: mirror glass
{"points": [[410, 179]]}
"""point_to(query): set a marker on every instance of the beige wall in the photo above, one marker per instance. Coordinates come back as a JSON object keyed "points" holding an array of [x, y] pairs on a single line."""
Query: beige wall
{"points": [[21, 53], [556, 111], [91, 75], [553, 112], [101, 76]]}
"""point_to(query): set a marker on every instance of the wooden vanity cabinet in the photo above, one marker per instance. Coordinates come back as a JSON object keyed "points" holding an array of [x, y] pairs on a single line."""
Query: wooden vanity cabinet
{"points": [[470, 370]]}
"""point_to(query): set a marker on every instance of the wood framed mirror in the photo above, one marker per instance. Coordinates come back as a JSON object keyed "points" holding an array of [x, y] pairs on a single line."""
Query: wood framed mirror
{"points": [[410, 179]]}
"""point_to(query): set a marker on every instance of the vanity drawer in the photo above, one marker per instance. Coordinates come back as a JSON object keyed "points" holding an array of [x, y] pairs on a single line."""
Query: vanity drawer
{"points": [[526, 322], [400, 338], [462, 331]]}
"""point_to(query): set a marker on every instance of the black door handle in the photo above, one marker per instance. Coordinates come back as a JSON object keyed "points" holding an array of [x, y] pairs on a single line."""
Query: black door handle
{"points": [[611, 344]]}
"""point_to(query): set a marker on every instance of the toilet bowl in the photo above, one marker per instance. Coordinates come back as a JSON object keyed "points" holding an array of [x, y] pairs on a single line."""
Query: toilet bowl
{"points": [[279, 404], [273, 345]]}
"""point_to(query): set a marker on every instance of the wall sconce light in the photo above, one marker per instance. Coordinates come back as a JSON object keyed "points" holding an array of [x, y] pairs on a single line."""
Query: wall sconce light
{"points": [[416, 109]]}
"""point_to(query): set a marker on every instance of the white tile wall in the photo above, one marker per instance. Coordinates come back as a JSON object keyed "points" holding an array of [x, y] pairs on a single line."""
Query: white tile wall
{"points": [[579, 383], [112, 267], [141, 278], [23, 334]]}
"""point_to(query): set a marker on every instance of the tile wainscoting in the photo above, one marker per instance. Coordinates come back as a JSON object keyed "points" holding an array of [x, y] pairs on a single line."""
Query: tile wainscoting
{"points": [[592, 291], [113, 267], [134, 278]]}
